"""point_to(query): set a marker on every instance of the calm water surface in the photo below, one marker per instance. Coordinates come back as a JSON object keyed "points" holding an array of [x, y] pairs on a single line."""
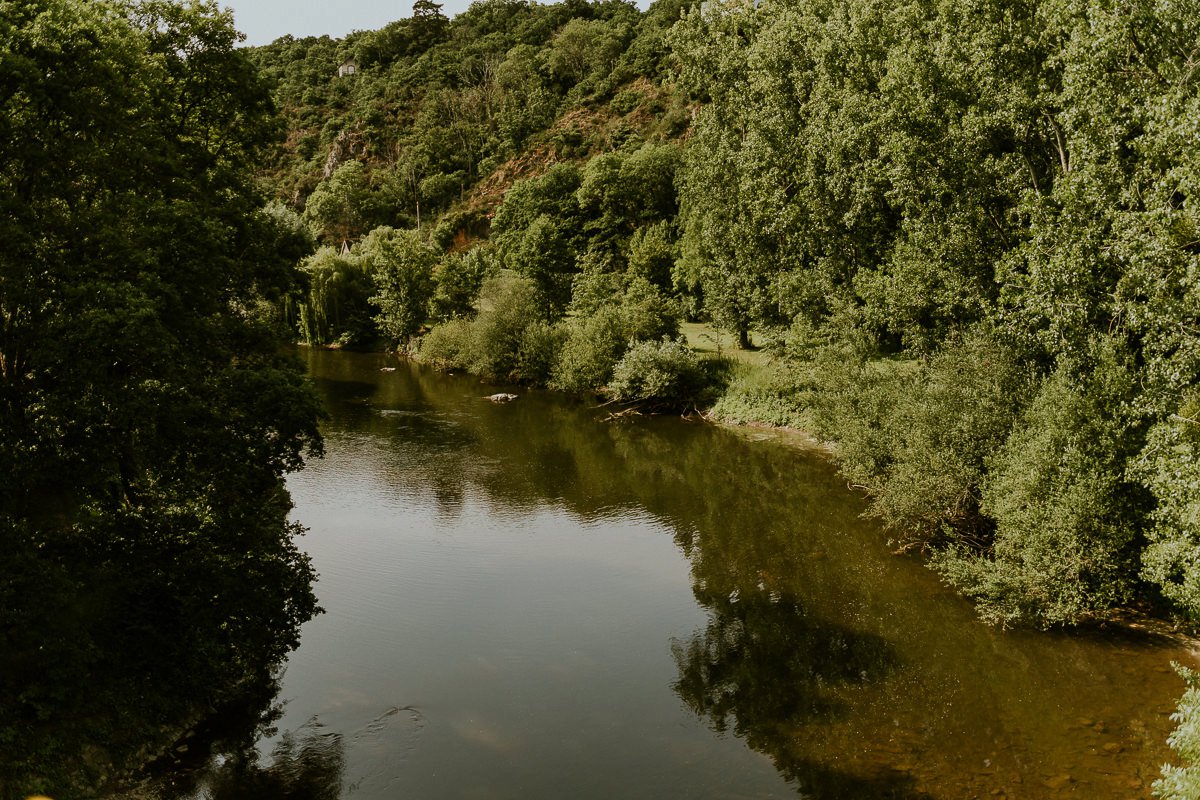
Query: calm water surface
{"points": [[529, 601]]}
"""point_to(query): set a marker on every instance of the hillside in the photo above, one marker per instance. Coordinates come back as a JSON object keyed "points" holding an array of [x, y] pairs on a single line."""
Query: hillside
{"points": [[965, 232]]}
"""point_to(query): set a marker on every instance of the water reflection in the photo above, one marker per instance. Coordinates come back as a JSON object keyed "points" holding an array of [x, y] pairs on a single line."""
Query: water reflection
{"points": [[548, 588], [305, 764]]}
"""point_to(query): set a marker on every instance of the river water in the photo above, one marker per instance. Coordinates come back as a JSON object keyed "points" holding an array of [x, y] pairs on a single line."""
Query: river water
{"points": [[533, 600]]}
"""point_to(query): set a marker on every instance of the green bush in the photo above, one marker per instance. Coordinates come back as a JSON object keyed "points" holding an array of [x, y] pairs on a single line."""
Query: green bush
{"points": [[1066, 518], [605, 324], [538, 352], [1169, 467], [919, 434], [592, 348], [665, 374], [1183, 783], [448, 345], [508, 305]]}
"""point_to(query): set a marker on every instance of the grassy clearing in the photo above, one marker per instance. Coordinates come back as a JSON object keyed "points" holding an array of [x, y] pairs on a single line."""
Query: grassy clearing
{"points": [[705, 339], [763, 390]]}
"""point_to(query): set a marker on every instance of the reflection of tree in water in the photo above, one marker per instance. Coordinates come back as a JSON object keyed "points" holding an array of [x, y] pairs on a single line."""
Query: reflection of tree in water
{"points": [[306, 765], [767, 668], [222, 761]]}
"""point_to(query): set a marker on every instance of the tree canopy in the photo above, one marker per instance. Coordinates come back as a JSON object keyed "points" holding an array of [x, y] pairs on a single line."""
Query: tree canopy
{"points": [[146, 418]]}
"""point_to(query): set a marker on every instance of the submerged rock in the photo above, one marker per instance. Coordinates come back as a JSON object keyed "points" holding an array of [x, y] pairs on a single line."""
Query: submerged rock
{"points": [[501, 397]]}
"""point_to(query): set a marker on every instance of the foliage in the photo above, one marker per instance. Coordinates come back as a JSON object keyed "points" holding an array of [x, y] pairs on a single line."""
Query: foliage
{"points": [[666, 374], [334, 208], [1066, 518], [146, 417], [778, 394], [984, 214], [337, 308], [1170, 468], [605, 325], [963, 206], [1183, 783], [459, 278], [401, 267]]}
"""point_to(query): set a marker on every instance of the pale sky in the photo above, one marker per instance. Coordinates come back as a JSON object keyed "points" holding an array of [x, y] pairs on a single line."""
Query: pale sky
{"points": [[264, 21]]}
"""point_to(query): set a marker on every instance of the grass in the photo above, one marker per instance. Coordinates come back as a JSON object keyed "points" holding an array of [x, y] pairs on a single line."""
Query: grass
{"points": [[762, 390], [704, 338]]}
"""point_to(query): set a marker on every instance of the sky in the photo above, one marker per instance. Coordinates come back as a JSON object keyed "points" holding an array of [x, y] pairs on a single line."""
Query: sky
{"points": [[264, 21]]}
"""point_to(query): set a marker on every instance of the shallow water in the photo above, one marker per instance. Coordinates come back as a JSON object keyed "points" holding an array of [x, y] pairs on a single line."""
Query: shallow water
{"points": [[527, 601]]}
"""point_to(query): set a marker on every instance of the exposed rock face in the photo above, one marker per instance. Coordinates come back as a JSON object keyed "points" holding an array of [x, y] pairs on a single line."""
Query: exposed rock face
{"points": [[347, 145]]}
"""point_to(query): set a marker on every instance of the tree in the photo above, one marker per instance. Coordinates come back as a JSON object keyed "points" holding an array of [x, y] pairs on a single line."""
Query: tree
{"points": [[401, 266], [146, 419], [335, 208]]}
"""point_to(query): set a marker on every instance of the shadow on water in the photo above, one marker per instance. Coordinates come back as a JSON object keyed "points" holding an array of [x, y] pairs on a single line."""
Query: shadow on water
{"points": [[765, 668], [305, 764]]}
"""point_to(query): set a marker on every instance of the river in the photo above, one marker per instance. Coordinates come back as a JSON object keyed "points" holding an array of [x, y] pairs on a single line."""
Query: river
{"points": [[535, 600]]}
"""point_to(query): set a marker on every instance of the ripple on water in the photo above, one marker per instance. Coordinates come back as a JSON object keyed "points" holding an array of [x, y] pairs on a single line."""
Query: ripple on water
{"points": [[377, 752]]}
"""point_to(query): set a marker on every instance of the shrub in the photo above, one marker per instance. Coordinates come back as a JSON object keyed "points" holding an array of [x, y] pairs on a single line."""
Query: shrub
{"points": [[919, 434], [448, 345], [538, 352], [1183, 783], [666, 374], [1169, 467], [1067, 520], [592, 348]]}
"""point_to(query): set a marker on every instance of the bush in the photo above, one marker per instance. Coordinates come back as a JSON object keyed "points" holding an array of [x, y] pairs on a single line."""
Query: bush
{"points": [[919, 434], [538, 352], [665, 374], [508, 305], [1183, 783], [592, 348], [1170, 468], [447, 346], [1067, 520]]}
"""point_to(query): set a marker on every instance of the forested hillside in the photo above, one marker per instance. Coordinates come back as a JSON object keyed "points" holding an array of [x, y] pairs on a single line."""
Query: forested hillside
{"points": [[965, 231]]}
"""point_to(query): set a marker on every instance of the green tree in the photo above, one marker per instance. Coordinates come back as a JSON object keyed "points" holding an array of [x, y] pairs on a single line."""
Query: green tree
{"points": [[335, 208], [146, 420], [400, 264]]}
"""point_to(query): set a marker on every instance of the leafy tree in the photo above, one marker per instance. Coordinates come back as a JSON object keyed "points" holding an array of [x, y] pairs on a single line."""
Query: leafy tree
{"points": [[401, 265], [459, 278], [146, 420], [335, 208], [337, 306]]}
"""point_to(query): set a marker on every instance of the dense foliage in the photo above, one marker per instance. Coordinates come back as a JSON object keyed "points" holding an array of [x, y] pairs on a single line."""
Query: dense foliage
{"points": [[966, 229], [983, 214], [146, 418]]}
